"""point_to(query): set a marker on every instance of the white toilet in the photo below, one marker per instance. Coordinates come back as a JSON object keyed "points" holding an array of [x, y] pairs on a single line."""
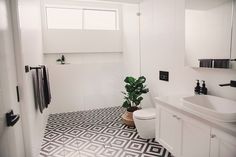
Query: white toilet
{"points": [[144, 120]]}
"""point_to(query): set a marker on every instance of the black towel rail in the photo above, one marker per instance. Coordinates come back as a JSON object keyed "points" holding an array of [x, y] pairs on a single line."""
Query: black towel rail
{"points": [[28, 68]]}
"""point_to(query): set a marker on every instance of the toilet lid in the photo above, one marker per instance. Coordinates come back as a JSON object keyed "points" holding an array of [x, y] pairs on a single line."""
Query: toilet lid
{"points": [[145, 114]]}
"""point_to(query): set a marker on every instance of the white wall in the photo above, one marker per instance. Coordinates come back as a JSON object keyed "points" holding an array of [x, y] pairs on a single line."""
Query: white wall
{"points": [[28, 44], [233, 53], [163, 48], [95, 80], [74, 41], [131, 42]]}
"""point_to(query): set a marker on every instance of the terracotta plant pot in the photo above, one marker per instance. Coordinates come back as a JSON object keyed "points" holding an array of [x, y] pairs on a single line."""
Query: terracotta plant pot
{"points": [[127, 117]]}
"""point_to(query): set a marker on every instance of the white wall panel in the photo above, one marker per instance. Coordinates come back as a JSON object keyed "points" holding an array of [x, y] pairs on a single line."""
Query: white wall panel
{"points": [[95, 80]]}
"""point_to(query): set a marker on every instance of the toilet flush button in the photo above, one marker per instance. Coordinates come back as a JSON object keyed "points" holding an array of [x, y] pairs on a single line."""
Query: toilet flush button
{"points": [[164, 75]]}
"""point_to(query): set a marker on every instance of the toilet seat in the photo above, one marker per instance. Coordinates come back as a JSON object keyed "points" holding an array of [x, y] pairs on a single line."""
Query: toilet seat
{"points": [[145, 114]]}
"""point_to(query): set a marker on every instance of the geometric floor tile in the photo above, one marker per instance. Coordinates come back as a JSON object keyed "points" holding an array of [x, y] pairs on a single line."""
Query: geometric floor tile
{"points": [[93, 148], [118, 142], [50, 147], [88, 135], [75, 132], [95, 133], [110, 152], [130, 154], [97, 129], [154, 149], [76, 144], [125, 134], [64, 152], [136, 146], [102, 139], [110, 131], [63, 139]]}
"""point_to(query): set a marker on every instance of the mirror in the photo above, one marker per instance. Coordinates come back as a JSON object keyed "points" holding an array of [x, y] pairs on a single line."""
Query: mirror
{"points": [[209, 36]]}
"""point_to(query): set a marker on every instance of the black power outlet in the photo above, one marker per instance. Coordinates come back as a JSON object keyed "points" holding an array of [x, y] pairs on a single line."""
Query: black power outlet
{"points": [[164, 75]]}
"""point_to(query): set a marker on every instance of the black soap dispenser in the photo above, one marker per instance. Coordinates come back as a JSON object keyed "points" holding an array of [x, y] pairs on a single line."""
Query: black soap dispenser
{"points": [[204, 89], [197, 88]]}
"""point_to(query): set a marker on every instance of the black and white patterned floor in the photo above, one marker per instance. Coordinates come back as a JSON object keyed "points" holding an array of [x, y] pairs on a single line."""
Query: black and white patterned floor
{"points": [[95, 133]]}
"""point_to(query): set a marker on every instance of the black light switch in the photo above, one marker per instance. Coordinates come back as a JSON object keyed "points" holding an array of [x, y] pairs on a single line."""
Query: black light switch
{"points": [[164, 75]]}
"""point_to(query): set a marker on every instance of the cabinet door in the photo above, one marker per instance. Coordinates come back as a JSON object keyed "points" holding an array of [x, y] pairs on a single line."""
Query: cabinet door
{"points": [[170, 131], [195, 138], [222, 144]]}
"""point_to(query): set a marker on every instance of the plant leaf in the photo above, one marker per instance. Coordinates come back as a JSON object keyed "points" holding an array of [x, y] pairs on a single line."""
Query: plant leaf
{"points": [[142, 79], [126, 104], [134, 89], [129, 88], [123, 93], [129, 80], [145, 90]]}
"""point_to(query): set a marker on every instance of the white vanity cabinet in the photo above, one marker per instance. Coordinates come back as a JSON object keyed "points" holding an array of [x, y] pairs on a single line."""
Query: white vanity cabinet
{"points": [[169, 130], [222, 144], [186, 132], [181, 135], [195, 138]]}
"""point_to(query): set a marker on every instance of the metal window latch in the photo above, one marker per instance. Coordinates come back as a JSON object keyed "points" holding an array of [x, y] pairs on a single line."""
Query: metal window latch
{"points": [[11, 118]]}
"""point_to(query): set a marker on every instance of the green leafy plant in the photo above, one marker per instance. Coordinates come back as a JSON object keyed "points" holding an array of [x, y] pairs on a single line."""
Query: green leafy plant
{"points": [[61, 60], [134, 90]]}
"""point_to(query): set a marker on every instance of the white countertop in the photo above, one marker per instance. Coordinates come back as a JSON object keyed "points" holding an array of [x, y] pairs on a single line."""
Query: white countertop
{"points": [[175, 103]]}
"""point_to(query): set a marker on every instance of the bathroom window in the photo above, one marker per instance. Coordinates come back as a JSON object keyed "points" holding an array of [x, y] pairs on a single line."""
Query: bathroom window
{"points": [[81, 18], [100, 19], [64, 18], [72, 27]]}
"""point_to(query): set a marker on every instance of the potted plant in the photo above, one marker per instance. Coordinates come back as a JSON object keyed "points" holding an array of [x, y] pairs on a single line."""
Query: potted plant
{"points": [[135, 88]]}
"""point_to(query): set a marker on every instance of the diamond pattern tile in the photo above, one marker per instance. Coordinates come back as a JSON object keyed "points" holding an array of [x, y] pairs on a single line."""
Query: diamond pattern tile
{"points": [[95, 133]]}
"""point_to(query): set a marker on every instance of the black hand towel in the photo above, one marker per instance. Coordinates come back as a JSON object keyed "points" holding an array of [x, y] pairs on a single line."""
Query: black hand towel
{"points": [[206, 63], [221, 63], [38, 89], [47, 91]]}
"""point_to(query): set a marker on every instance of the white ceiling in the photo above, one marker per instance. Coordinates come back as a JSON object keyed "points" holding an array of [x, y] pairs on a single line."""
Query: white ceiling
{"points": [[204, 4], [117, 1]]}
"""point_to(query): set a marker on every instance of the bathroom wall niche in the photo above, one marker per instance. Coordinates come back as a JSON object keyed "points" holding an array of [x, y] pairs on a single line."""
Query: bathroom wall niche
{"points": [[210, 27]]}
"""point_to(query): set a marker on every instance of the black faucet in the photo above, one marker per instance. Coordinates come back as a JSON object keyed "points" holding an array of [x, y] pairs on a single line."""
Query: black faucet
{"points": [[231, 84]]}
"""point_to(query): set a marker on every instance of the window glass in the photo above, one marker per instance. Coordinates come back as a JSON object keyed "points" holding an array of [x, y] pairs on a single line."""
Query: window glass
{"points": [[64, 18], [100, 19]]}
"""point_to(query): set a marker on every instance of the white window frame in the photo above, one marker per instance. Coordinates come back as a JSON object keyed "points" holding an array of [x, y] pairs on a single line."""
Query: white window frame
{"points": [[55, 40], [117, 18], [46, 15]]}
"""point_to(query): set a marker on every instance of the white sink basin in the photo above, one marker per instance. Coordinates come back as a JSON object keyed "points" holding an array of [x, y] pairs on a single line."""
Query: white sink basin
{"points": [[221, 109]]}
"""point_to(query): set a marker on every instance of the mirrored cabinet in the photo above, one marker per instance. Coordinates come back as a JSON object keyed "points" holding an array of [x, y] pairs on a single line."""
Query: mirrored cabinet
{"points": [[210, 33]]}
